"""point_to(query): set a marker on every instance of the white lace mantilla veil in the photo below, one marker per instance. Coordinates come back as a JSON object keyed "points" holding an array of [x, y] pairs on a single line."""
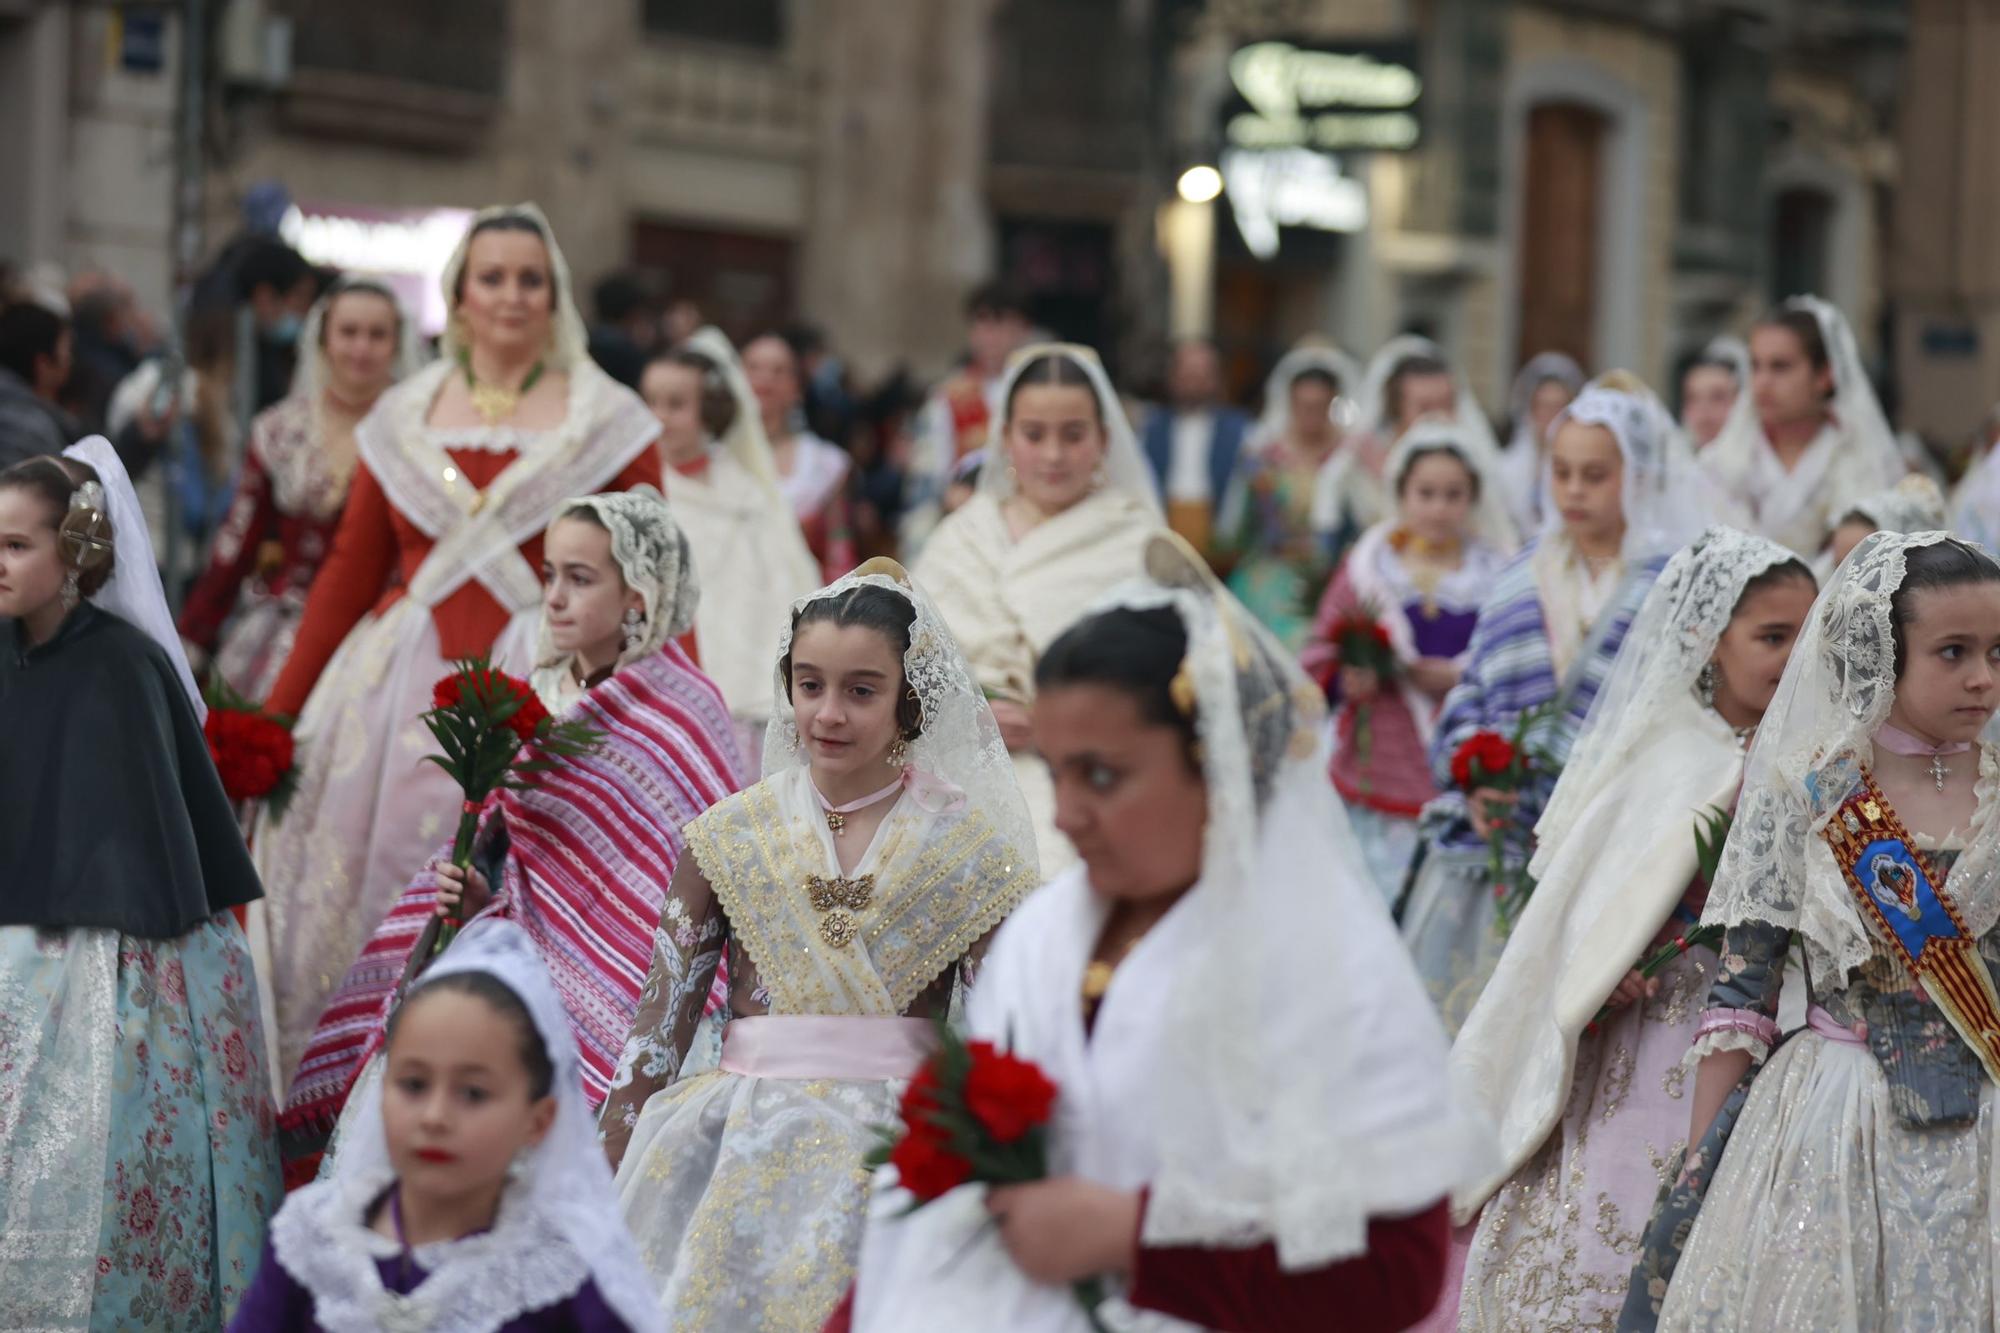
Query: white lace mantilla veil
{"points": [[1490, 520], [1914, 504], [311, 373], [133, 592], [558, 1226], [570, 343], [1309, 1089], [1836, 692], [1125, 468], [652, 556], [745, 439], [960, 745], [1855, 410], [1671, 639], [1374, 397], [1539, 369], [1663, 500], [1276, 418]]}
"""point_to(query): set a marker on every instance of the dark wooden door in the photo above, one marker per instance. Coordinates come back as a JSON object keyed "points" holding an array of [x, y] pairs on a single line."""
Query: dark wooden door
{"points": [[1560, 224]]}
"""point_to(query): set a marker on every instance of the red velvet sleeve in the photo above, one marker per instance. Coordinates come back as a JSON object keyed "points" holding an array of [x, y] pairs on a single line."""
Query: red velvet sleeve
{"points": [[350, 582], [641, 471], [842, 1318], [253, 516], [1390, 1287]]}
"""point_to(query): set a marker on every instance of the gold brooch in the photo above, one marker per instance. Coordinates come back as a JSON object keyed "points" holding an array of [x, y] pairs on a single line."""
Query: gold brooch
{"points": [[839, 898]]}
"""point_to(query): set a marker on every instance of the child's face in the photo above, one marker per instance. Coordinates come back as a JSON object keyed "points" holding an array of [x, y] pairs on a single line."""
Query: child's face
{"points": [[1951, 663], [31, 568], [1055, 442], [456, 1097], [1436, 499], [1848, 536], [1751, 654], [846, 680], [1587, 472], [584, 597], [674, 393]]}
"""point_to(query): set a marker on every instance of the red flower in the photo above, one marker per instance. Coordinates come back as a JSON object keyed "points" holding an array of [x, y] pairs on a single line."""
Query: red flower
{"points": [[920, 1100], [1007, 1095], [144, 1213], [491, 685], [180, 1290], [1491, 752], [528, 717], [251, 752], [235, 1056], [927, 1167]]}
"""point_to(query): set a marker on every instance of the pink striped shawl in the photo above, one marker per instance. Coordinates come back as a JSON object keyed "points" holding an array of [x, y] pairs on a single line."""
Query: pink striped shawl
{"points": [[593, 847]]}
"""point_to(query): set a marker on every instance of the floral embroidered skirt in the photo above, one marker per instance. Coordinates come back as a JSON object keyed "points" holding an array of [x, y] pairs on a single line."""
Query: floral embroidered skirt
{"points": [[1451, 924], [747, 1196], [1827, 1212], [137, 1158], [1554, 1248]]}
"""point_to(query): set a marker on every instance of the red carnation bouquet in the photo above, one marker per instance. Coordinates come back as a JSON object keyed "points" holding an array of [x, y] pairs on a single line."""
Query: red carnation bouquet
{"points": [[974, 1114], [253, 750], [1360, 640], [483, 719], [1486, 759]]}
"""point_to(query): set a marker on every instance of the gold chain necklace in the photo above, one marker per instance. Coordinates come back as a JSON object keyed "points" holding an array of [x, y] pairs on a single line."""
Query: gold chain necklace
{"points": [[493, 402]]}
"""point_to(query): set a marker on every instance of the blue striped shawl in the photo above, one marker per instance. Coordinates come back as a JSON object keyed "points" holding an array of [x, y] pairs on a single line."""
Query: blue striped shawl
{"points": [[1510, 671]]}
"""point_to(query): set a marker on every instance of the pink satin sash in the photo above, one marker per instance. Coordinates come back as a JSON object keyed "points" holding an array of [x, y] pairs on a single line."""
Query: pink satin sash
{"points": [[807, 1046], [1824, 1023]]}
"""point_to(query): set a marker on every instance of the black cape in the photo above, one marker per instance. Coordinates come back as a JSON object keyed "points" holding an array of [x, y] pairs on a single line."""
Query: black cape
{"points": [[111, 813]]}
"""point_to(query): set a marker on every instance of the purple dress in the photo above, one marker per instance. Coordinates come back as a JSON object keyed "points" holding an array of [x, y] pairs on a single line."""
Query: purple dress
{"points": [[277, 1303]]}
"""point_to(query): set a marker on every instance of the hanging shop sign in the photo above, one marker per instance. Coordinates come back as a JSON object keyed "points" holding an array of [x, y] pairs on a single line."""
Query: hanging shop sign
{"points": [[1350, 98], [1289, 187]]}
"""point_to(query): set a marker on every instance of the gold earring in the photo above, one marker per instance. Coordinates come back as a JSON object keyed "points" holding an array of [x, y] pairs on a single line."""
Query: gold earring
{"points": [[899, 753]]}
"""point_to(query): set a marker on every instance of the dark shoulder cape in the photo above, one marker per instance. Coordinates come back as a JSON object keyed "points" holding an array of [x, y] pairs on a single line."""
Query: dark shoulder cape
{"points": [[111, 814]]}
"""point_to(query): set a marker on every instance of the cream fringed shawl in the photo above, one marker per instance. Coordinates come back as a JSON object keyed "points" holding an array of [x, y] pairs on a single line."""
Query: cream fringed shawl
{"points": [[1605, 894], [1006, 600]]}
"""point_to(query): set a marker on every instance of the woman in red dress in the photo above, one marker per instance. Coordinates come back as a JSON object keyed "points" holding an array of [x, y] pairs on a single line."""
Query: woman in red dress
{"points": [[462, 466], [244, 611]]}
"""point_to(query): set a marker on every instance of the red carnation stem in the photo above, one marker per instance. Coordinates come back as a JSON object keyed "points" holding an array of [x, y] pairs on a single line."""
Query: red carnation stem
{"points": [[461, 856]]}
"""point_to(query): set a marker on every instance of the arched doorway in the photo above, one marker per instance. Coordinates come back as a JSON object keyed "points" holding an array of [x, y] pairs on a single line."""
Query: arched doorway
{"points": [[1561, 230]]}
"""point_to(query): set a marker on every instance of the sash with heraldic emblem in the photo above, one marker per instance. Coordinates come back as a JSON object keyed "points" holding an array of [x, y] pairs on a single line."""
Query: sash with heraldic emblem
{"points": [[1915, 917]]}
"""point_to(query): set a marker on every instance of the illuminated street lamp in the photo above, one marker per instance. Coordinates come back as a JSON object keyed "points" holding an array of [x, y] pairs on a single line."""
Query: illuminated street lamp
{"points": [[1200, 184]]}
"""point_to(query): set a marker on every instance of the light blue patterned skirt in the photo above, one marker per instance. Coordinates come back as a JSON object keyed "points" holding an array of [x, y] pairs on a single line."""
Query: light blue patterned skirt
{"points": [[138, 1165]]}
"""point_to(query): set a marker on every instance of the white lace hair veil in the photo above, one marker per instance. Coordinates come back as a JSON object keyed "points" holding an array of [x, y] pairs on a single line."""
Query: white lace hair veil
{"points": [[960, 744], [1663, 500], [745, 439], [569, 341], [1540, 369], [1125, 468], [133, 592], [1671, 639], [1258, 1144], [1490, 519], [1836, 692], [564, 1184], [1374, 398], [1913, 504], [1855, 409], [1276, 418], [653, 558], [311, 373]]}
